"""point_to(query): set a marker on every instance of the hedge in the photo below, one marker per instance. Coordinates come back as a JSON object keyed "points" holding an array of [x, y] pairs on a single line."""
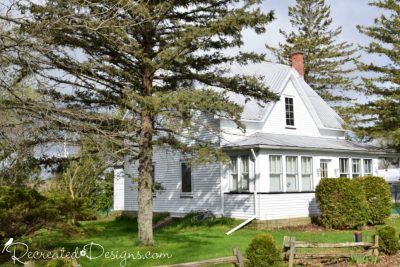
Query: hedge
{"points": [[388, 240], [378, 196], [262, 252], [342, 203]]}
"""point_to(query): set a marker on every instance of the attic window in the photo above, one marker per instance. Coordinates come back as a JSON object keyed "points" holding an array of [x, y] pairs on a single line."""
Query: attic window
{"points": [[289, 111]]}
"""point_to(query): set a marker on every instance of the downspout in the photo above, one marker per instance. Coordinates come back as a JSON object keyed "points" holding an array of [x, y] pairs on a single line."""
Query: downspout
{"points": [[255, 183], [255, 198]]}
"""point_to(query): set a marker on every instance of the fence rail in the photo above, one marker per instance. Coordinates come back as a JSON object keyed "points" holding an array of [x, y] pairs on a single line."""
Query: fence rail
{"points": [[290, 244], [236, 259]]}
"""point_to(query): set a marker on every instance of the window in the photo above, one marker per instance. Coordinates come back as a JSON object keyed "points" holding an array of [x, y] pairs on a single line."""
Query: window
{"points": [[153, 178], [275, 173], [234, 174], [306, 174], [367, 166], [186, 178], [356, 167], [291, 174], [323, 165], [244, 169], [239, 165], [289, 111], [344, 167]]}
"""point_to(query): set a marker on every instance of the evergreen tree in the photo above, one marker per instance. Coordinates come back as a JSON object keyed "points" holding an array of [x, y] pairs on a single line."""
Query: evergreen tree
{"points": [[153, 63], [379, 117], [327, 62]]}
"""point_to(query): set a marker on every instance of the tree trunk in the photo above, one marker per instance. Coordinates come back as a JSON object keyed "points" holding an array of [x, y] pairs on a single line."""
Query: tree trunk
{"points": [[145, 197]]}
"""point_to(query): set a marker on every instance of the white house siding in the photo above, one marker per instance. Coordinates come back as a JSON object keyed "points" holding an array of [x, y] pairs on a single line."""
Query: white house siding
{"points": [[206, 180], [271, 206], [304, 123], [239, 206], [286, 206], [206, 190]]}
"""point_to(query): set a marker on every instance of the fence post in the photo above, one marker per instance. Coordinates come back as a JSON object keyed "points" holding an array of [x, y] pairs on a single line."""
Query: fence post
{"points": [[292, 250], [239, 259], [375, 251], [286, 245]]}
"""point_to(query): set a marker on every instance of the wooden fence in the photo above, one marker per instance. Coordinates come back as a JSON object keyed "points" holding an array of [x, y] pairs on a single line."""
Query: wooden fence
{"points": [[290, 244], [236, 259]]}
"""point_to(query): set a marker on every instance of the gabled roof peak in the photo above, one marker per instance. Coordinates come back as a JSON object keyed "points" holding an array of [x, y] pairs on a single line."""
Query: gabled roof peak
{"points": [[276, 77]]}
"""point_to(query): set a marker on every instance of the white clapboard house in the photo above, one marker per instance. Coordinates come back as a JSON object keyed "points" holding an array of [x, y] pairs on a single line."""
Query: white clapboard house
{"points": [[288, 147]]}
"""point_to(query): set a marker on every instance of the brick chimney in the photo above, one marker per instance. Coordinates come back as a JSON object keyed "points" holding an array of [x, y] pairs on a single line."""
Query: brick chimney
{"points": [[298, 62]]}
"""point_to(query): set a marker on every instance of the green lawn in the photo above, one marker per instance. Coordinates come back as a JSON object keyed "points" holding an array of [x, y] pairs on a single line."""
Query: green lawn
{"points": [[183, 243]]}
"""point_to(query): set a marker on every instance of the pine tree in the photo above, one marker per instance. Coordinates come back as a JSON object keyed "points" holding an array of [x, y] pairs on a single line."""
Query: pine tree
{"points": [[327, 62], [138, 74], [379, 117]]}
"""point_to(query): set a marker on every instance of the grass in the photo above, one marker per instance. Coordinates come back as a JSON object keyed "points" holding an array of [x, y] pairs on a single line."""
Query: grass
{"points": [[181, 241]]}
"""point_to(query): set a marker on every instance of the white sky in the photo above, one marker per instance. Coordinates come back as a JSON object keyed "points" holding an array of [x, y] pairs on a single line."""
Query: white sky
{"points": [[345, 13]]}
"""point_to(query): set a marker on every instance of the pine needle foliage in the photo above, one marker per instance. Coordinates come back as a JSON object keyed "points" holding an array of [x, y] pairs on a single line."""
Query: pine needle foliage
{"points": [[131, 75], [379, 117], [328, 63]]}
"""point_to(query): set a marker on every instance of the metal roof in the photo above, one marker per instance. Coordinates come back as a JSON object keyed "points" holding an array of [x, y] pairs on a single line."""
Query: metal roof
{"points": [[328, 117], [301, 142], [274, 76]]}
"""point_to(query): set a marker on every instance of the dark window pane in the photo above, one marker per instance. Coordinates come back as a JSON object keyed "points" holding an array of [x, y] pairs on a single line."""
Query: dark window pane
{"points": [[186, 178], [153, 176], [289, 111]]}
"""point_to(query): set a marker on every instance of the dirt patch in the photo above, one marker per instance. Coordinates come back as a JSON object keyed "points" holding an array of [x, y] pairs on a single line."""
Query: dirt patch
{"points": [[304, 228], [384, 261]]}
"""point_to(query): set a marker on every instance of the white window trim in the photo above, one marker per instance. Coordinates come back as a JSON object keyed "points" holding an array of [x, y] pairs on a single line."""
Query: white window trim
{"points": [[348, 168], [360, 171], [186, 194], [288, 126], [239, 173], [301, 174], [282, 174], [297, 174], [327, 161], [363, 167]]}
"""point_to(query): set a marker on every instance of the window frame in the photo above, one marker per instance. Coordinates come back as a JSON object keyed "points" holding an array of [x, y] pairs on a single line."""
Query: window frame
{"points": [[355, 174], [347, 174], [371, 167], [188, 171], [240, 175], [289, 111], [281, 188], [244, 176], [296, 173], [233, 181], [153, 178], [311, 173], [323, 173]]}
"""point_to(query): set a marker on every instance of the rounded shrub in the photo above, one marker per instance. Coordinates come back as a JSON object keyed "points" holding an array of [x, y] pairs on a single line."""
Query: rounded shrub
{"points": [[388, 240], [262, 251], [377, 192], [342, 203]]}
